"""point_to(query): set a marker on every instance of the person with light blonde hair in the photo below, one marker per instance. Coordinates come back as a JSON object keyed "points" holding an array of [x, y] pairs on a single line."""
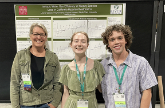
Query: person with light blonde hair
{"points": [[35, 74]]}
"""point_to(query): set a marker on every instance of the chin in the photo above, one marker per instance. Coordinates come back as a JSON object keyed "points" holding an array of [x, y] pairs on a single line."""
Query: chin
{"points": [[117, 52], [38, 46], [78, 52]]}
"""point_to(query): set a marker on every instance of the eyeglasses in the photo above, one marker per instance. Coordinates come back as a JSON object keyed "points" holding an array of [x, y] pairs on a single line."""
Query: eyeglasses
{"points": [[37, 34]]}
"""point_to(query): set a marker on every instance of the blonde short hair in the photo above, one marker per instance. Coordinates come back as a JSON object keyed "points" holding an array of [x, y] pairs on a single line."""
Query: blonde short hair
{"points": [[38, 25]]}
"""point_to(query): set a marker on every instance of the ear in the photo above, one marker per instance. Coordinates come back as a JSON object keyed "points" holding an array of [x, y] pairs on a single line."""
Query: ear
{"points": [[30, 36], [70, 44], [87, 44], [46, 38]]}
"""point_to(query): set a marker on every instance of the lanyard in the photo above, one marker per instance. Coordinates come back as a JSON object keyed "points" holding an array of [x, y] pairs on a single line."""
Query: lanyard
{"points": [[78, 75], [119, 81]]}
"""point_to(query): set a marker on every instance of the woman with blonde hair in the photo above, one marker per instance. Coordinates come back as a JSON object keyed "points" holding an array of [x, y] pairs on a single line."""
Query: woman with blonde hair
{"points": [[35, 74]]}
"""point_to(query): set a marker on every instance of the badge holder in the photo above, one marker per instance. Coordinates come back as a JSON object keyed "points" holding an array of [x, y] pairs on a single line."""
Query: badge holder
{"points": [[81, 103], [119, 99], [26, 82]]}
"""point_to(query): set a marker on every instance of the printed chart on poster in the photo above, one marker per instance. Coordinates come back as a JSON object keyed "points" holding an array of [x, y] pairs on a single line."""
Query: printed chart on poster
{"points": [[62, 20]]}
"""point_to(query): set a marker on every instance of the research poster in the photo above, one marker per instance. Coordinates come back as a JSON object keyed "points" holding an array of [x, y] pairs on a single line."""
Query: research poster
{"points": [[62, 20]]}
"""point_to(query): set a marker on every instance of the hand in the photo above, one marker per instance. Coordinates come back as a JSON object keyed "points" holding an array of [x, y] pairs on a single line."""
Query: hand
{"points": [[51, 106], [99, 88]]}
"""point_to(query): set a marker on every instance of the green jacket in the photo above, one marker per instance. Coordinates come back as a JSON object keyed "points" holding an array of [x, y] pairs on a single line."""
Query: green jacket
{"points": [[49, 91]]}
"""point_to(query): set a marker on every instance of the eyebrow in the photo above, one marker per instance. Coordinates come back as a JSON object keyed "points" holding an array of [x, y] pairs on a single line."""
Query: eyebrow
{"points": [[39, 33], [78, 39], [113, 37]]}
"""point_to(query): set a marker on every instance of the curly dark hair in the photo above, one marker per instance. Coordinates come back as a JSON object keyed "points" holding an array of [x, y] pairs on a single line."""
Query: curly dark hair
{"points": [[125, 29]]}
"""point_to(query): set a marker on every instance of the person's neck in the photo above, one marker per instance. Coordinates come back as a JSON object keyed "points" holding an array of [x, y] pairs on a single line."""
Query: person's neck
{"points": [[80, 59], [120, 58], [39, 52]]}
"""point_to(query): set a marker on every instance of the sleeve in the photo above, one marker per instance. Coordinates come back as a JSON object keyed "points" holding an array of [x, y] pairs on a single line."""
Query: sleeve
{"points": [[104, 89], [101, 71], [63, 76], [57, 85], [146, 76], [15, 83], [103, 86]]}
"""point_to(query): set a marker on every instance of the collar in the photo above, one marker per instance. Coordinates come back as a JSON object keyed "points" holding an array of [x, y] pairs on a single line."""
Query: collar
{"points": [[31, 46], [128, 60], [47, 54]]}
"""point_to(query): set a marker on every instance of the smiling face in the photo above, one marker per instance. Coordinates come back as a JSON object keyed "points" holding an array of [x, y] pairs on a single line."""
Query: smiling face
{"points": [[38, 37], [117, 43], [79, 44]]}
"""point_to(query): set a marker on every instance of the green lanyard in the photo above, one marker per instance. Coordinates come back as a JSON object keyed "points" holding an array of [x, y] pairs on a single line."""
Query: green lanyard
{"points": [[78, 75], [119, 81]]}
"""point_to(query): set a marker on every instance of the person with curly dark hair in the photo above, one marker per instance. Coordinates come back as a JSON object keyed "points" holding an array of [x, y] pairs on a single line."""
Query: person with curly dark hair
{"points": [[128, 77], [120, 28]]}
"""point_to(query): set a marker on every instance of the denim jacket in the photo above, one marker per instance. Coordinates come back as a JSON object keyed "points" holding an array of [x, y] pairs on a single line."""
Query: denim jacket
{"points": [[50, 91]]}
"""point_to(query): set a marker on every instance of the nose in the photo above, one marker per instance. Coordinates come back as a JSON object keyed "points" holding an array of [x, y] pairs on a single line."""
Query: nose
{"points": [[38, 36], [79, 43], [116, 41]]}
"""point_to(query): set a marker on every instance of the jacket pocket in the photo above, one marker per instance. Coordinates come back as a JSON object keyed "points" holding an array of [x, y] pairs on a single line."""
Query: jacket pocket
{"points": [[26, 96], [50, 71], [48, 91], [23, 66], [52, 66]]}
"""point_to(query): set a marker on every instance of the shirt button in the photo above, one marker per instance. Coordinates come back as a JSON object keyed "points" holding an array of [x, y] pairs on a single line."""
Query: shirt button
{"points": [[38, 94], [45, 70]]}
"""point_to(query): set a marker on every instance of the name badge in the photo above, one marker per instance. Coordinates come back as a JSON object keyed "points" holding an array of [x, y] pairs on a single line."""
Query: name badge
{"points": [[82, 103], [119, 99], [26, 82]]}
